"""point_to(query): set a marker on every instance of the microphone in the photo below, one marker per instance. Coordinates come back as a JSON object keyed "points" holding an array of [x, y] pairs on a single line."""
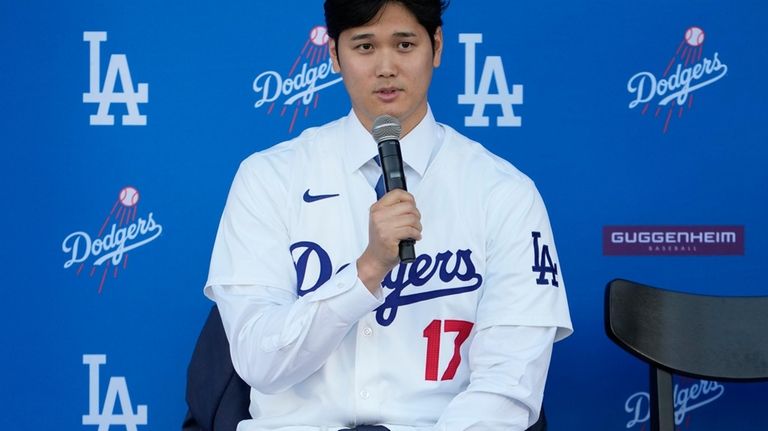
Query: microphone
{"points": [[386, 132]]}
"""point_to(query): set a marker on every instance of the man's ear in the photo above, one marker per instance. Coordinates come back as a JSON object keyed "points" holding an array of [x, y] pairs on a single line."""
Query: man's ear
{"points": [[437, 47], [334, 55]]}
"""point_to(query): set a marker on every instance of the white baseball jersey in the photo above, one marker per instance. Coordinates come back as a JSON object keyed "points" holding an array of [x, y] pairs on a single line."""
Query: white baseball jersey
{"points": [[484, 298]]}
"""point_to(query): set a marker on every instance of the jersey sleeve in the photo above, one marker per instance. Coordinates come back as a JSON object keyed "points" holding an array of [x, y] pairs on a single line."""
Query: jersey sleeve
{"points": [[524, 281], [252, 239], [276, 338]]}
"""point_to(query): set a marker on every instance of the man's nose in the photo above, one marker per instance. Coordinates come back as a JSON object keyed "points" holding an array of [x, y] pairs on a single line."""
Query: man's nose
{"points": [[386, 65]]}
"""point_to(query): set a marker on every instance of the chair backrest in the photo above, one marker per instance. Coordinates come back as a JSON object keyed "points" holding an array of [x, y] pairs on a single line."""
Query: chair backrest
{"points": [[710, 337], [216, 396], [717, 337]]}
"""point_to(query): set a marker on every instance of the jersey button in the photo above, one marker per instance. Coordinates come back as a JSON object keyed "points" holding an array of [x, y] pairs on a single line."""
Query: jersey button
{"points": [[365, 394], [367, 332]]}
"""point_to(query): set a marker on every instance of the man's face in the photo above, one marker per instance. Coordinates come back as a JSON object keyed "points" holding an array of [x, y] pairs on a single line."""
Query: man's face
{"points": [[387, 66]]}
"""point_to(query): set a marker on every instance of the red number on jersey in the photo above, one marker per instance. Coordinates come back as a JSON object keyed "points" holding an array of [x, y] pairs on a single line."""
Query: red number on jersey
{"points": [[433, 333]]}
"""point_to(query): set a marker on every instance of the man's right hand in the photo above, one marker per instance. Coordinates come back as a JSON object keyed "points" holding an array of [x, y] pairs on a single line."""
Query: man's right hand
{"points": [[392, 219]]}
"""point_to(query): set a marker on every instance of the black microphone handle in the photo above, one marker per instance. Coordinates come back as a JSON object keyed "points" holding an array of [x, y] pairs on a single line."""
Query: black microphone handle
{"points": [[394, 178]]}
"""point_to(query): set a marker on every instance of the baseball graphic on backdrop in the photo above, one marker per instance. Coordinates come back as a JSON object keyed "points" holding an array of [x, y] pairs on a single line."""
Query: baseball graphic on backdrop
{"points": [[319, 35], [129, 196], [694, 36]]}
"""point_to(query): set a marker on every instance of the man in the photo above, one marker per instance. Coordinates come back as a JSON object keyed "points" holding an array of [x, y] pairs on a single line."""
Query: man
{"points": [[324, 323]]}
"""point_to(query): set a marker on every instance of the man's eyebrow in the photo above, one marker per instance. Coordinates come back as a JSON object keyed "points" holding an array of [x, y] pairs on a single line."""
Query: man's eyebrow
{"points": [[362, 36], [368, 36]]}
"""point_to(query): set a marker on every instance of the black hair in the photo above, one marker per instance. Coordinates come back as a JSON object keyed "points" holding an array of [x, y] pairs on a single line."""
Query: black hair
{"points": [[341, 15]]}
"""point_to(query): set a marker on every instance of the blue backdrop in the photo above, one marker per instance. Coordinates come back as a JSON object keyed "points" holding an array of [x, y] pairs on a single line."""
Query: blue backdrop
{"points": [[109, 228]]}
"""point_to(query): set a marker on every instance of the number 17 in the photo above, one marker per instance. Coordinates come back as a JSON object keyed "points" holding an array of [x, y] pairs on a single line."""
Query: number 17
{"points": [[433, 333]]}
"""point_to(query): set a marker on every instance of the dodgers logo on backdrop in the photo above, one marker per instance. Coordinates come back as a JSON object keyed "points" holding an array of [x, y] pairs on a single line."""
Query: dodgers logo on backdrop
{"points": [[105, 415], [687, 398], [106, 95], [121, 232], [480, 96], [455, 270], [311, 72], [688, 71]]}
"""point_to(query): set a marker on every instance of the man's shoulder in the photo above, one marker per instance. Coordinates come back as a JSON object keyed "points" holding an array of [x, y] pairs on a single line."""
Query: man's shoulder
{"points": [[311, 143], [493, 184], [477, 161]]}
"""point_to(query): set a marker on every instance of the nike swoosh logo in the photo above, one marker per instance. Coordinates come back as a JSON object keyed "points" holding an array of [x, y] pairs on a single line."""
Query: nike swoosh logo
{"points": [[309, 198]]}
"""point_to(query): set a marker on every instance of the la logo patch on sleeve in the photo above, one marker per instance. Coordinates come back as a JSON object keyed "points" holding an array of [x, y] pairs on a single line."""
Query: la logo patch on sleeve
{"points": [[542, 262]]}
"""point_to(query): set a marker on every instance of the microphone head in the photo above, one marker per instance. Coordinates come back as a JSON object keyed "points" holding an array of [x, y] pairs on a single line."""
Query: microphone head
{"points": [[386, 128]]}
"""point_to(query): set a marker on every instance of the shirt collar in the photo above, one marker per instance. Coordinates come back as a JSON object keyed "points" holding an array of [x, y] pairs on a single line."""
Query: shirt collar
{"points": [[416, 147]]}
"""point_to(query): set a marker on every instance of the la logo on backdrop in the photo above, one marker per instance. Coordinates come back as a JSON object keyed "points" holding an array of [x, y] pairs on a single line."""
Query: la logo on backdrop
{"points": [[123, 230], [299, 91], [479, 95], [106, 95], [105, 416], [688, 70]]}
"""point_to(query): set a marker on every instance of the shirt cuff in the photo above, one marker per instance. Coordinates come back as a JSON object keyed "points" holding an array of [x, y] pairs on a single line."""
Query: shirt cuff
{"points": [[347, 296]]}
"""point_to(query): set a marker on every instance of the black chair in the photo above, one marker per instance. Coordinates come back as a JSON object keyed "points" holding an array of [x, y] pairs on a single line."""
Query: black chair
{"points": [[709, 337], [217, 397]]}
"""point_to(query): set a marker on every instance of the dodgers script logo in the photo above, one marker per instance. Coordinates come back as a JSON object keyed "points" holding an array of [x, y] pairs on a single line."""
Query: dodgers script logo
{"points": [[687, 397], [117, 391], [687, 71], [121, 232], [311, 72], [481, 96], [106, 95], [314, 268]]}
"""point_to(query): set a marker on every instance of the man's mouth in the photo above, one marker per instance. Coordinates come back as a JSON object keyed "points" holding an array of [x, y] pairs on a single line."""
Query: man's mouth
{"points": [[387, 90]]}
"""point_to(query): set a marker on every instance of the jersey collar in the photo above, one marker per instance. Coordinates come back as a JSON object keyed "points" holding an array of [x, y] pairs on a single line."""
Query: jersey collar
{"points": [[417, 147]]}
